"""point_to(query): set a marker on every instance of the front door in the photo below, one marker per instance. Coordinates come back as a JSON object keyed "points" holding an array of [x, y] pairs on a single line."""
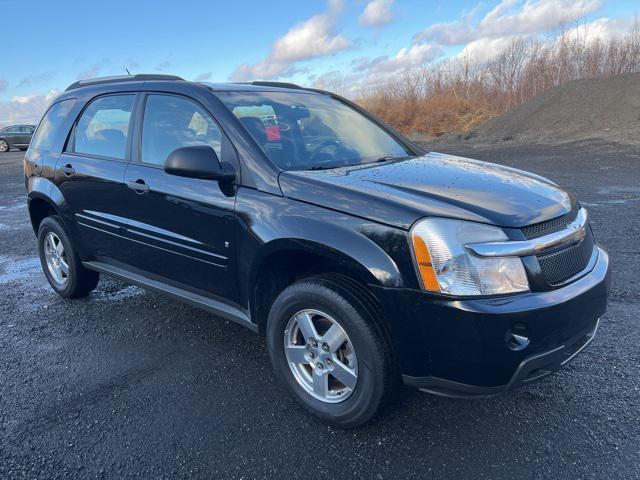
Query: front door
{"points": [[25, 135], [181, 228], [90, 174]]}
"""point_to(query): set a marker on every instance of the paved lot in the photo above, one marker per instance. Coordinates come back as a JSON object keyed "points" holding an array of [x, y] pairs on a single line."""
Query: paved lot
{"points": [[129, 384]]}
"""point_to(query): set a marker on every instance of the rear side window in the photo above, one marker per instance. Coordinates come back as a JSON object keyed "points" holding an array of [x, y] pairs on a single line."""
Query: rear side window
{"points": [[51, 129], [103, 127], [172, 122]]}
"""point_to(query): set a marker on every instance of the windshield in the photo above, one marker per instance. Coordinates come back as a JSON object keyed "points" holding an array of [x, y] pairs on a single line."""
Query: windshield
{"points": [[300, 131]]}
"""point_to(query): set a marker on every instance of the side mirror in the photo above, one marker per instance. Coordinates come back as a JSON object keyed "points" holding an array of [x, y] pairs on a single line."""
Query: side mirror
{"points": [[198, 161]]}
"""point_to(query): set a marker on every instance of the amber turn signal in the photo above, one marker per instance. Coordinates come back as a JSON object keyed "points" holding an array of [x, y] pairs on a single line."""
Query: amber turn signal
{"points": [[425, 267]]}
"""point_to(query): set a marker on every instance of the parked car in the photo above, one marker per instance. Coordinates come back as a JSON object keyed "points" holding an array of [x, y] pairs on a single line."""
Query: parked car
{"points": [[364, 260], [18, 136]]}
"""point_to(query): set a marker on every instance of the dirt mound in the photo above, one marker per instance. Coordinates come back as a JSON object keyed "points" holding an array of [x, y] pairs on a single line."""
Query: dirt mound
{"points": [[607, 109]]}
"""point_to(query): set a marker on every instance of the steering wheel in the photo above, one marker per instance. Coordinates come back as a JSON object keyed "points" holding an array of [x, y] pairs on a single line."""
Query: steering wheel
{"points": [[318, 150]]}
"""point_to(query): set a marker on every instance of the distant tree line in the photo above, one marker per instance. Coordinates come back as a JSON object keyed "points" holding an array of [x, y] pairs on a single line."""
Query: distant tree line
{"points": [[457, 95]]}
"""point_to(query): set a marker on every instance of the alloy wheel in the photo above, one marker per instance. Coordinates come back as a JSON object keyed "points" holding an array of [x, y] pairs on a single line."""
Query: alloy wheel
{"points": [[321, 356], [56, 258]]}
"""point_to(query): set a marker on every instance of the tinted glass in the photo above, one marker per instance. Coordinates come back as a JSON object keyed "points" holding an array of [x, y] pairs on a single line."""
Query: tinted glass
{"points": [[104, 126], [307, 130], [172, 122], [52, 127]]}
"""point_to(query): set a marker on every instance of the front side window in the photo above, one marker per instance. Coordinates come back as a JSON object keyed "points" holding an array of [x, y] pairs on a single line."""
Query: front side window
{"points": [[310, 131], [104, 126], [172, 122], [50, 130]]}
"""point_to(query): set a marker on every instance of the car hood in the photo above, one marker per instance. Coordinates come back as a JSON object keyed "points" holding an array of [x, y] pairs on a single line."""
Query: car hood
{"points": [[401, 192]]}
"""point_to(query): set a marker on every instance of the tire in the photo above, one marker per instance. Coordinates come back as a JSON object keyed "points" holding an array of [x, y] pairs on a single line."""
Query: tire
{"points": [[64, 271], [330, 300], [4, 146]]}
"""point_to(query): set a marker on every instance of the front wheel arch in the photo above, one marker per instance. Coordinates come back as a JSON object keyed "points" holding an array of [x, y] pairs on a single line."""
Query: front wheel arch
{"points": [[284, 262]]}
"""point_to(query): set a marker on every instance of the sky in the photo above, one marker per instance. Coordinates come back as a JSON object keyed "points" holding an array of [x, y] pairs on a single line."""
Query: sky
{"points": [[50, 44]]}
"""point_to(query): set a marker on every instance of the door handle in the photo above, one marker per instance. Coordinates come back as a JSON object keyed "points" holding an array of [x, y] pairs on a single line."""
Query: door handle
{"points": [[138, 186], [68, 170]]}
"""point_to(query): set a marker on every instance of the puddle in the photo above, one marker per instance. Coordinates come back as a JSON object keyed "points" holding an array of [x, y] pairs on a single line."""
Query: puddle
{"points": [[21, 270], [120, 295], [15, 206]]}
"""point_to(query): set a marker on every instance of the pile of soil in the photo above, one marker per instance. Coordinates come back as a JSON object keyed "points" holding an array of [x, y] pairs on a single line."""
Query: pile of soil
{"points": [[605, 109]]}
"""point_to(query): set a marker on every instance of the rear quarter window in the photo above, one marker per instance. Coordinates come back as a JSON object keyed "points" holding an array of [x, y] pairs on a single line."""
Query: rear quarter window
{"points": [[51, 131]]}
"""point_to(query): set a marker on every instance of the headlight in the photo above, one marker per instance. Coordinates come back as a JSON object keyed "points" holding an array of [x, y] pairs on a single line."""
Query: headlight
{"points": [[446, 266]]}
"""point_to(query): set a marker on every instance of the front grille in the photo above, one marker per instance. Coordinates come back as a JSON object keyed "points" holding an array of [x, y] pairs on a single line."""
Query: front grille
{"points": [[549, 226], [558, 267]]}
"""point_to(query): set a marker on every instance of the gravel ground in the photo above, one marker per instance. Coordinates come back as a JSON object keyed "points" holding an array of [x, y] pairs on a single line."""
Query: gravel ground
{"points": [[129, 384]]}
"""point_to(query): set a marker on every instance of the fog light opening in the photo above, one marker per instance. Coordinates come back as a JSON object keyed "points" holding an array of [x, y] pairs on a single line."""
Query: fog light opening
{"points": [[517, 337]]}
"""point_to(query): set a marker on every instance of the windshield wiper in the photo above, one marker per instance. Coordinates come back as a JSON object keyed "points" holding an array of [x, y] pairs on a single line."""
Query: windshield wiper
{"points": [[325, 167], [387, 158], [390, 158]]}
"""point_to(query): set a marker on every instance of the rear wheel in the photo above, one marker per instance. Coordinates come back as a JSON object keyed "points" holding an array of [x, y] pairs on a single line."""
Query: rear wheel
{"points": [[4, 146], [329, 351], [60, 262]]}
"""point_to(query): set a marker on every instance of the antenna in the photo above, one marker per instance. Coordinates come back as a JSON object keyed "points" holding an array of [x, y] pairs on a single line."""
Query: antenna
{"points": [[127, 70]]}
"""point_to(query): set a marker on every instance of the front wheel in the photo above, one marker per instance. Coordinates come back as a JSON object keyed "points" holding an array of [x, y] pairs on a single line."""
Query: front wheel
{"points": [[327, 347], [4, 146]]}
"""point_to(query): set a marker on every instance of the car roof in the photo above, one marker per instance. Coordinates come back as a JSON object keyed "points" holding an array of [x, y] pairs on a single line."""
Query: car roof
{"points": [[257, 86]]}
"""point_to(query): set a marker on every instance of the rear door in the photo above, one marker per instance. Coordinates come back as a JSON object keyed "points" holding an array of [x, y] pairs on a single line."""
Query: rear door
{"points": [[90, 174], [12, 135], [182, 228]]}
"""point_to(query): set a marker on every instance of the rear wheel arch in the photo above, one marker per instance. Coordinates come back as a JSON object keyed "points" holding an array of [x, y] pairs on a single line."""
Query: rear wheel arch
{"points": [[41, 207]]}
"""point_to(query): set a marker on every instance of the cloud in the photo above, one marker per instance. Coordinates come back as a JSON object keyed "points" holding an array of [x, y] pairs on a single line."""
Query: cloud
{"points": [[601, 29], [3, 84], [486, 49], [162, 66], [313, 38], [377, 14], [34, 79], [26, 109], [508, 18], [203, 77], [366, 72], [92, 71], [405, 58]]}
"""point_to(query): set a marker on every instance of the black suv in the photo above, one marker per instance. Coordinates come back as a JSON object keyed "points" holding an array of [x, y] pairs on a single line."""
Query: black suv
{"points": [[18, 136], [365, 261]]}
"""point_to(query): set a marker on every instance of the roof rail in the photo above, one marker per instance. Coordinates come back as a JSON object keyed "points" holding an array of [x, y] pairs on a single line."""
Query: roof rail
{"points": [[277, 84], [140, 77]]}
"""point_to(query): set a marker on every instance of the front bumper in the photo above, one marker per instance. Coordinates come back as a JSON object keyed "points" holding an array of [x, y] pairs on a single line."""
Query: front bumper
{"points": [[460, 347]]}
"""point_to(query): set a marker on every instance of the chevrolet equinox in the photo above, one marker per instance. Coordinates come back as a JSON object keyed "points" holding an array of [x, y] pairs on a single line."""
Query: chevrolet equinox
{"points": [[364, 260]]}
